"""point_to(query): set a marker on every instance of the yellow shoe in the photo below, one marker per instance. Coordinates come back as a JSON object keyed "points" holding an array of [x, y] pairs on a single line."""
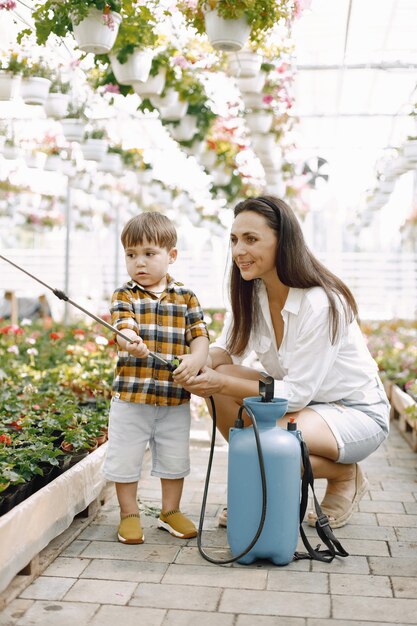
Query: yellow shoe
{"points": [[130, 529], [177, 524]]}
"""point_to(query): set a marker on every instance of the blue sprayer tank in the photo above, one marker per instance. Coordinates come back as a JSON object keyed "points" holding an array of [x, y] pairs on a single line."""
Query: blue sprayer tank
{"points": [[282, 458]]}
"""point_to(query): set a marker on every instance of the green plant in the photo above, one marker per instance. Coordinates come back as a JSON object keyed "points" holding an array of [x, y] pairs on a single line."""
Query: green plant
{"points": [[76, 111], [12, 63], [39, 68], [136, 31], [262, 15], [57, 18], [59, 86], [96, 133]]}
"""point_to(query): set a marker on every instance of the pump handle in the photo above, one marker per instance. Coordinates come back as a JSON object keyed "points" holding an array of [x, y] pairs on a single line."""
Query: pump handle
{"points": [[266, 387]]}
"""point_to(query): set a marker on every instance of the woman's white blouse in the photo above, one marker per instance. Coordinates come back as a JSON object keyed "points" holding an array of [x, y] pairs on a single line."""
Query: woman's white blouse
{"points": [[307, 366]]}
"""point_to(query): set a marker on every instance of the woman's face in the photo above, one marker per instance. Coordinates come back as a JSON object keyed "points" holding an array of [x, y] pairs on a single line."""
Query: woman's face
{"points": [[254, 246]]}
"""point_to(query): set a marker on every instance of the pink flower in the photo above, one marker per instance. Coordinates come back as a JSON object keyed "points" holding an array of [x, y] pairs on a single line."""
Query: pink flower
{"points": [[9, 5], [111, 88], [267, 99]]}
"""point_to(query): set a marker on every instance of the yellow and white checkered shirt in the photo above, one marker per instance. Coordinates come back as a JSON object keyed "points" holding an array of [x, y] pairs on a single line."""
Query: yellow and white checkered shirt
{"points": [[167, 325]]}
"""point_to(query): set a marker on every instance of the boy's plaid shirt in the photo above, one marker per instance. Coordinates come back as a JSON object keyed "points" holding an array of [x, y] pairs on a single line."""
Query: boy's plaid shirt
{"points": [[167, 325]]}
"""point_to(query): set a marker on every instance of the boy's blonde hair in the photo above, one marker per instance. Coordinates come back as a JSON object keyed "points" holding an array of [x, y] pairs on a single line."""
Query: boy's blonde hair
{"points": [[152, 226]]}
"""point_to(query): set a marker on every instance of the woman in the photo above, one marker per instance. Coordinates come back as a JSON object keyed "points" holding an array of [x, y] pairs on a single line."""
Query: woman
{"points": [[300, 319]]}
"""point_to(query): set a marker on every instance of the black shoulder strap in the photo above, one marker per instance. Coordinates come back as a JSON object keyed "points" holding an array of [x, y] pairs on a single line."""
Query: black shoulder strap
{"points": [[324, 531]]}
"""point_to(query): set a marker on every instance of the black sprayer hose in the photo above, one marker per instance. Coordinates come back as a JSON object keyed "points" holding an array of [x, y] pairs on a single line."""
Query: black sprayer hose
{"points": [[206, 486]]}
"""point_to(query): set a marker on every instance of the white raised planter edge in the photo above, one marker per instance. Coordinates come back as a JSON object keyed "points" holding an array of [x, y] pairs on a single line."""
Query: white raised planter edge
{"points": [[30, 526]]}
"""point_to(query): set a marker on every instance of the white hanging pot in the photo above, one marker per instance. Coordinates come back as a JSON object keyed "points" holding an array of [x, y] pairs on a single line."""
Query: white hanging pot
{"points": [[11, 152], [270, 159], [36, 160], [273, 175], [259, 121], [254, 100], [94, 149], [53, 163], [277, 189], [185, 130], [410, 149], [264, 143], [56, 105], [174, 112], [111, 162], [73, 128], [34, 89], [244, 63], [255, 84], [152, 87], [386, 186], [144, 176], [228, 35], [136, 68], [208, 159], [171, 98], [195, 149], [9, 85], [95, 34]]}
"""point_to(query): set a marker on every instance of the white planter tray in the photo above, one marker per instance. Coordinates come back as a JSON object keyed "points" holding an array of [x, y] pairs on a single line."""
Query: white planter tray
{"points": [[30, 526]]}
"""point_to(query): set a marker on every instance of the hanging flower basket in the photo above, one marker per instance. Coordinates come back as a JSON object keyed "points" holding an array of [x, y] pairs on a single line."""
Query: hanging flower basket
{"points": [[111, 162], [224, 34], [220, 176], [136, 68], [34, 89], [259, 121], [254, 100], [244, 64], [73, 128], [185, 130], [410, 149], [11, 152], [97, 32], [94, 149], [254, 84], [36, 160], [152, 87], [9, 85], [53, 163], [171, 98], [264, 143], [174, 112], [56, 105], [208, 159], [273, 175], [144, 176]]}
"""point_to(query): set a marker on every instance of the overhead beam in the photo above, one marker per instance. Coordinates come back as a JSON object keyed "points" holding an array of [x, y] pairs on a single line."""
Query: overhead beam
{"points": [[391, 65]]}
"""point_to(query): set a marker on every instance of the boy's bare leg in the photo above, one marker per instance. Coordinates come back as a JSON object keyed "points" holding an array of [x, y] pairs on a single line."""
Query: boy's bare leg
{"points": [[171, 493], [127, 497]]}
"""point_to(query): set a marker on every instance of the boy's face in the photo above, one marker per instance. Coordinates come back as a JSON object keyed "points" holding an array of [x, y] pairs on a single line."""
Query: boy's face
{"points": [[147, 264]]}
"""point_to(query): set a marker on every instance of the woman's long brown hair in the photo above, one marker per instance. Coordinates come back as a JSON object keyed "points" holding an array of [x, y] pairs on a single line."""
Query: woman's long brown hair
{"points": [[296, 267]]}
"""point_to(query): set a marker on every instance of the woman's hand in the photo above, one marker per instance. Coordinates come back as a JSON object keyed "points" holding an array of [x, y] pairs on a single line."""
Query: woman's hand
{"points": [[207, 383]]}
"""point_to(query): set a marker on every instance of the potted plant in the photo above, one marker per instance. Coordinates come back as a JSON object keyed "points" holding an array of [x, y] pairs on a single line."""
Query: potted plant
{"points": [[36, 81], [229, 25], [11, 68], [73, 124], [112, 160], [410, 148], [244, 63], [259, 120], [155, 83], [95, 144], [56, 105], [94, 23]]}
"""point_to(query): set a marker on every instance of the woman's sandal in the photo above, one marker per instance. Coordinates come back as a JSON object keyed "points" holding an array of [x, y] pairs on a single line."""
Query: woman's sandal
{"points": [[338, 508]]}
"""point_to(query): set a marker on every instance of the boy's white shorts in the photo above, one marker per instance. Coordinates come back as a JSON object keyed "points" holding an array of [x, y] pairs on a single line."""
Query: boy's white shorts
{"points": [[132, 426]]}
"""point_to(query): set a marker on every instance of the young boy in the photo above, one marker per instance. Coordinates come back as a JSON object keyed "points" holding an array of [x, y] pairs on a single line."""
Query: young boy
{"points": [[148, 404]]}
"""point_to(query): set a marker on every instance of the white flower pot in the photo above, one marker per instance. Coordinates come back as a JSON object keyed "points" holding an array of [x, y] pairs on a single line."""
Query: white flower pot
{"points": [[9, 85], [11, 152], [185, 130], [94, 35], [254, 84], [264, 143], [410, 149], [228, 35], [254, 100], [270, 159], [273, 175], [259, 121], [73, 128], [244, 63], [53, 163], [94, 149], [144, 177], [276, 189], [56, 105], [111, 162], [170, 99], [174, 112], [136, 68], [36, 160], [152, 87], [208, 159], [386, 186], [34, 90], [195, 149]]}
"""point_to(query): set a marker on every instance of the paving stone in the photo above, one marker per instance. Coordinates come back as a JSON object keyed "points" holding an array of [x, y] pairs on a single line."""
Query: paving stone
{"points": [[411, 508], [342, 622], [400, 611], [191, 618], [101, 591], [128, 616], [365, 547], [392, 496], [275, 603], [404, 587], [118, 569], [386, 519], [359, 585], [406, 534], [308, 582], [66, 566], [196, 598], [391, 566], [353, 531], [403, 548], [48, 588], [191, 556], [142, 552], [263, 620], [14, 611], [347, 565], [381, 506], [241, 578], [75, 548], [58, 614]]}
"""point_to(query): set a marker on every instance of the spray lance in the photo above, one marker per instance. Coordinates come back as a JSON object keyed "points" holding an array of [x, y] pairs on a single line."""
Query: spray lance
{"points": [[171, 366]]}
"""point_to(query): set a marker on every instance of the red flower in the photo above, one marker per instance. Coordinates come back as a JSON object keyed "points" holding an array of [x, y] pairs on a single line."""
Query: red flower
{"points": [[56, 336], [12, 329], [78, 331], [17, 424], [6, 439]]}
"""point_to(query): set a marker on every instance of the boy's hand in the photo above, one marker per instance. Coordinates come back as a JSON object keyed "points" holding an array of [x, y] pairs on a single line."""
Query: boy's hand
{"points": [[187, 370], [137, 348]]}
